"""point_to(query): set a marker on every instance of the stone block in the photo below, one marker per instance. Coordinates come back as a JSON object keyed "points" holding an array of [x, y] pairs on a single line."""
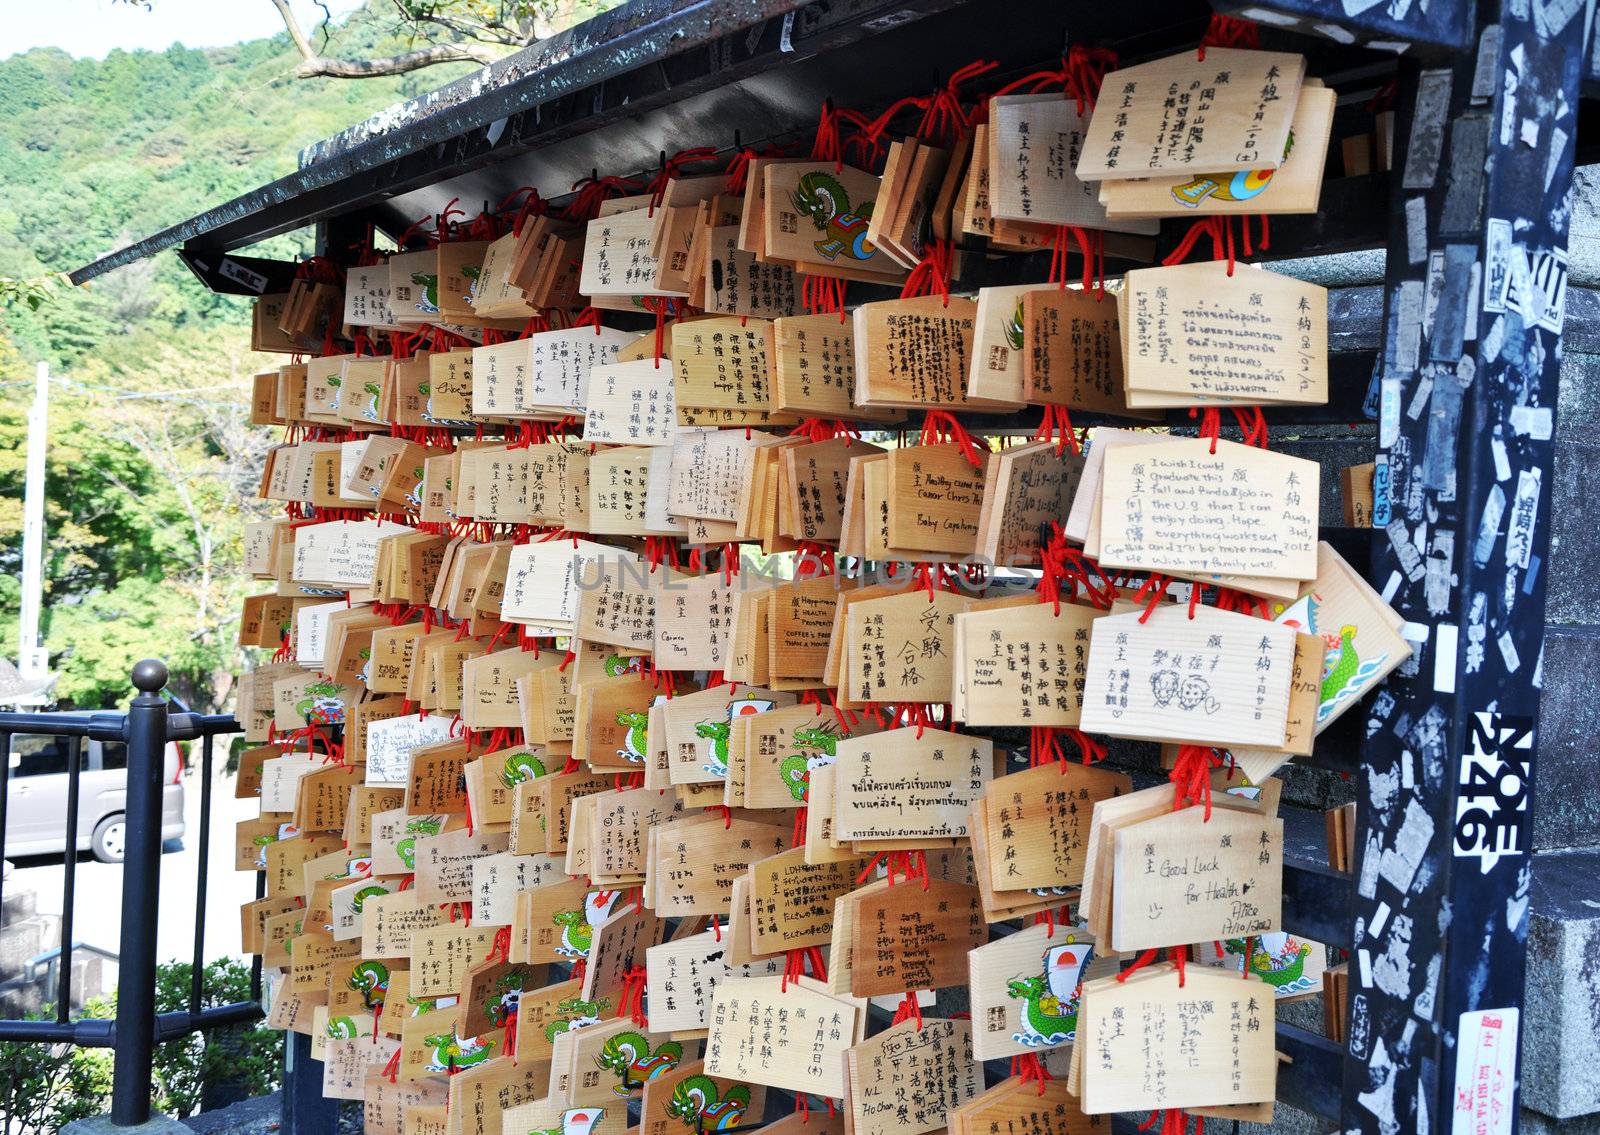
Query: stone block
{"points": [[1561, 1025], [101, 1125]]}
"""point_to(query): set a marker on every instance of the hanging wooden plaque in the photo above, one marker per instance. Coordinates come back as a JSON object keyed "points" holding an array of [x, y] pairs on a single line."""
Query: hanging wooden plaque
{"points": [[1183, 114], [909, 936]]}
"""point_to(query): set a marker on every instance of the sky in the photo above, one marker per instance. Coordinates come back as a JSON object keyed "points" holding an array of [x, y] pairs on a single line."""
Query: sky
{"points": [[93, 27]]}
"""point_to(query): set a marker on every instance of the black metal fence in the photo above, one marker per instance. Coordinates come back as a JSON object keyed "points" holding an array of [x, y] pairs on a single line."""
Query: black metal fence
{"points": [[149, 724]]}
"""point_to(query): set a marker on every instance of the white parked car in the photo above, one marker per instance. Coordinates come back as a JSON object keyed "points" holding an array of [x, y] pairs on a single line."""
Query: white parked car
{"points": [[36, 794]]}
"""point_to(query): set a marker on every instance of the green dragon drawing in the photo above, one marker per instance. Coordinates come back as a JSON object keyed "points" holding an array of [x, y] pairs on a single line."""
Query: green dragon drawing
{"points": [[321, 705], [365, 893], [1014, 328], [637, 745], [450, 1051], [629, 1055], [577, 926], [717, 752], [820, 196], [371, 980], [519, 766], [698, 1103], [1344, 673], [473, 274], [342, 1028], [1279, 959], [430, 291], [406, 849], [575, 1013], [1050, 999], [508, 991], [795, 771], [617, 665]]}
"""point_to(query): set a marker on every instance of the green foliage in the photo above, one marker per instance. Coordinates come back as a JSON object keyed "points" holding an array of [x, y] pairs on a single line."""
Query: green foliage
{"points": [[249, 1056], [33, 294], [43, 1086]]}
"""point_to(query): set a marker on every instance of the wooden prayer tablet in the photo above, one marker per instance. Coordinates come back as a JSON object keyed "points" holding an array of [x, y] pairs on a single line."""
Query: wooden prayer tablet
{"points": [[1037, 823], [693, 624], [935, 499], [1218, 678], [698, 727], [722, 364], [1032, 143], [1025, 988], [1294, 187], [549, 1114], [1355, 495], [1182, 877], [817, 215], [900, 648], [915, 353], [814, 369], [999, 344], [907, 936], [449, 396], [544, 1014], [477, 1095], [1182, 114], [1291, 965], [683, 974], [896, 785], [631, 403], [1072, 350], [1041, 1108], [1212, 1038], [617, 257], [1305, 698], [738, 283], [341, 552], [618, 946], [792, 901], [1177, 507], [696, 860], [807, 1056], [783, 746], [1197, 334], [1360, 631], [1023, 665], [686, 1096], [545, 580], [908, 1078]]}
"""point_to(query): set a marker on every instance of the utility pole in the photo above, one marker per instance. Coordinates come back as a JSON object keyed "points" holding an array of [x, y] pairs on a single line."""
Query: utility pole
{"points": [[32, 658]]}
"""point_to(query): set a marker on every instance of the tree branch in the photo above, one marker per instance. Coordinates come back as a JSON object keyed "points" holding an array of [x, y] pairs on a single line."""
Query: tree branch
{"points": [[314, 64]]}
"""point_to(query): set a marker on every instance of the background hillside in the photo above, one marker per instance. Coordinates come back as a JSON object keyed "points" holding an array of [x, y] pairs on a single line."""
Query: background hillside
{"points": [[149, 451]]}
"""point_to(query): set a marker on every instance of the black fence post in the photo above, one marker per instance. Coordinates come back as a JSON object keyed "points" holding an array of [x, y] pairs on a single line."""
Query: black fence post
{"points": [[141, 886], [306, 1111]]}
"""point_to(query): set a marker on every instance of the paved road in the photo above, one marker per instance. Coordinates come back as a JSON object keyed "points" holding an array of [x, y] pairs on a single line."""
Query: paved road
{"points": [[98, 902]]}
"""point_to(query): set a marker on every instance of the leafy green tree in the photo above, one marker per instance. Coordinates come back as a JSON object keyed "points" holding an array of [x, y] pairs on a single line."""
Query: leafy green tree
{"points": [[152, 466], [439, 31]]}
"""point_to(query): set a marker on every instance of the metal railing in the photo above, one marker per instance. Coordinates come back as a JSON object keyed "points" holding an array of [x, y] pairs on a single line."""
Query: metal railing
{"points": [[150, 723]]}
